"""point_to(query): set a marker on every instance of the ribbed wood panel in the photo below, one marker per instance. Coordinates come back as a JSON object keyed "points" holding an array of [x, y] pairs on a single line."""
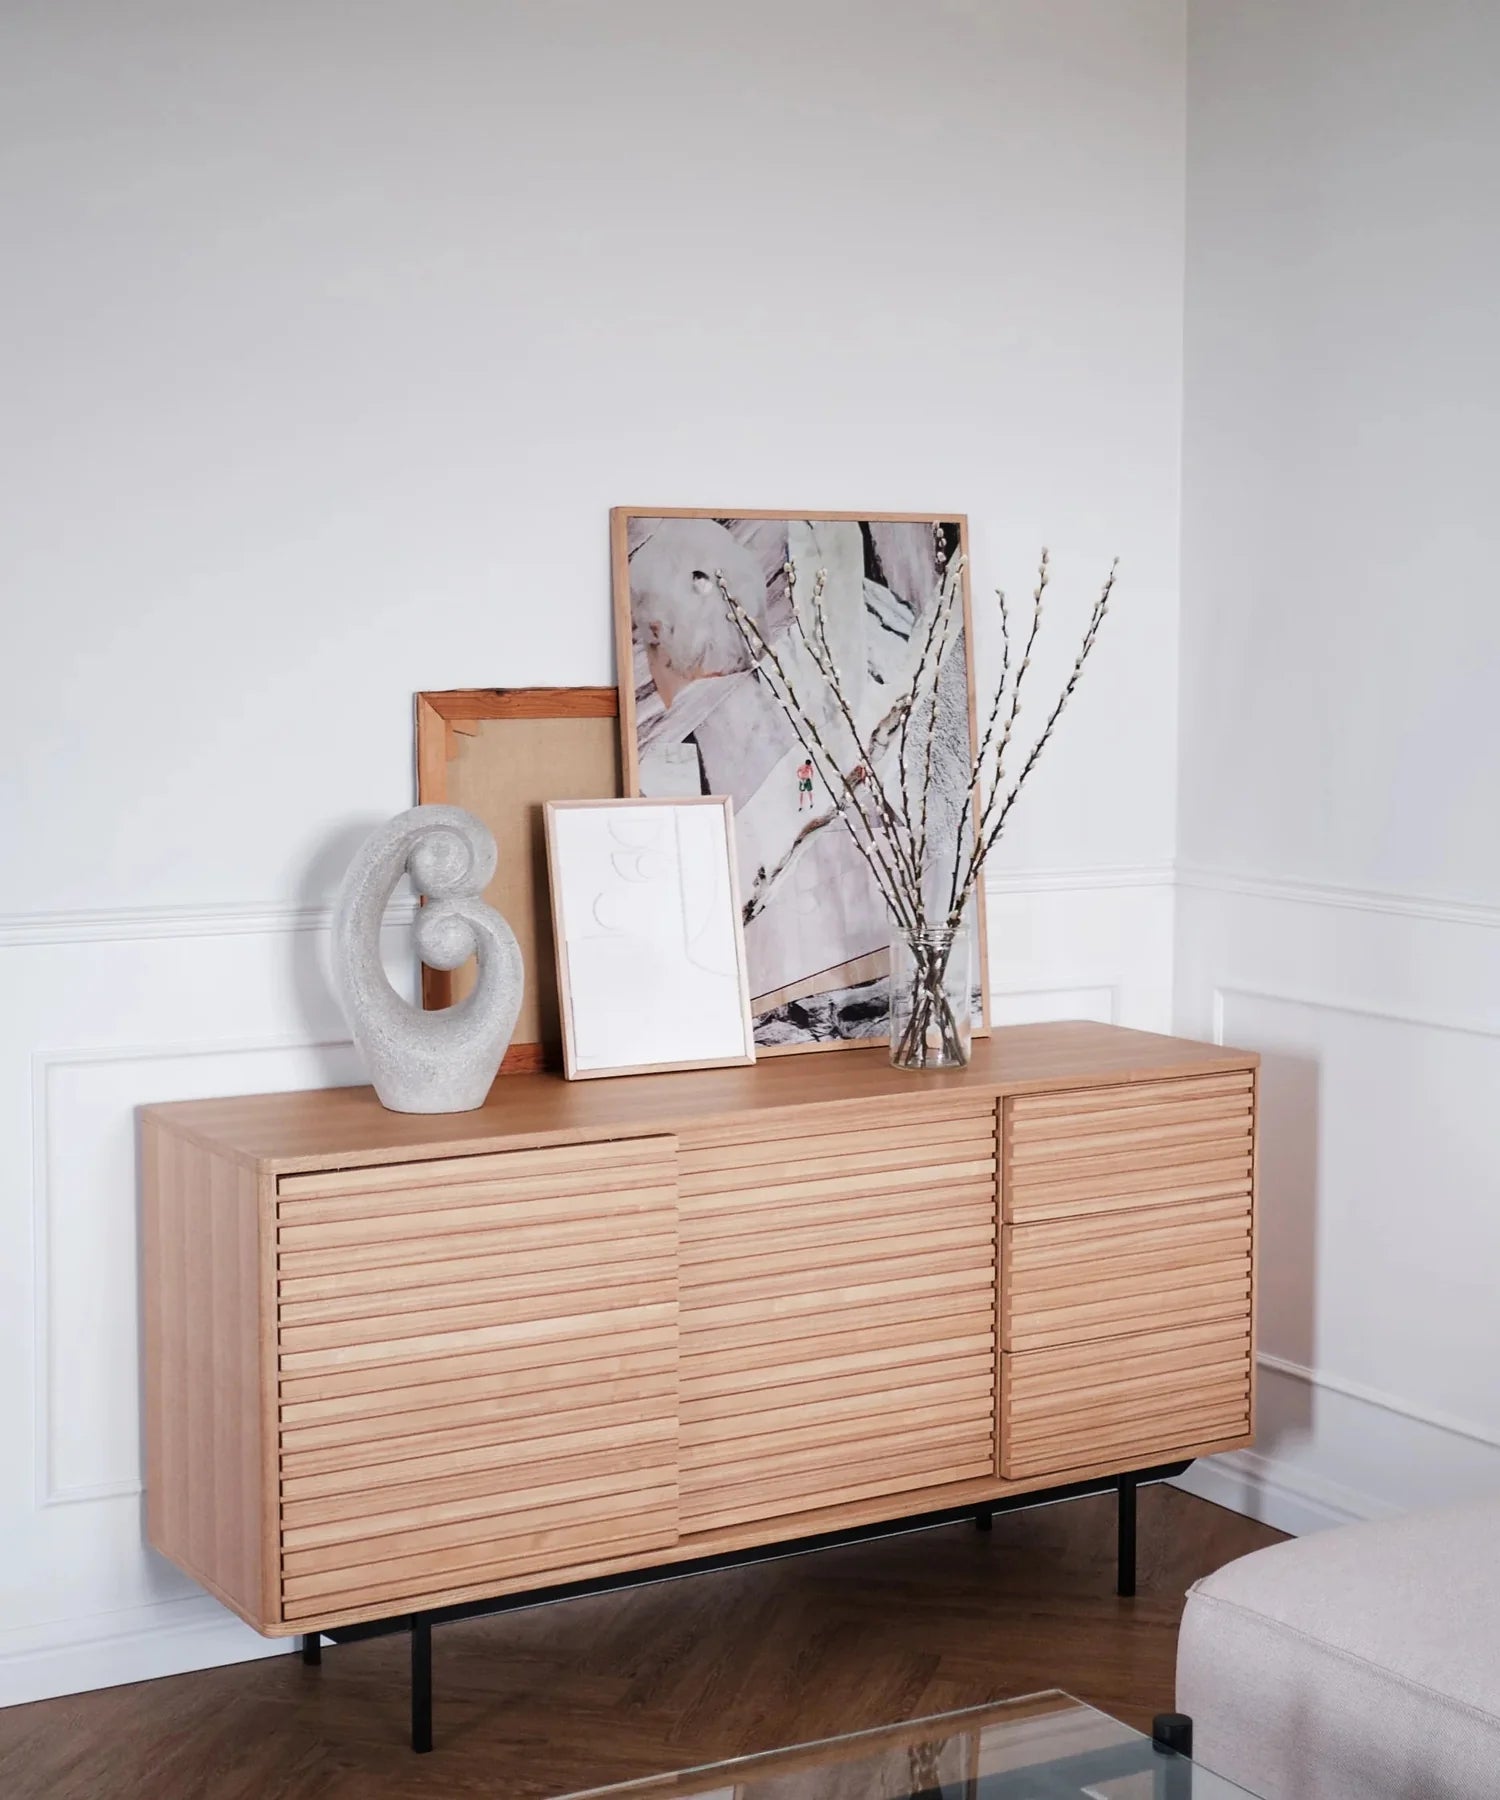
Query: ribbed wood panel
{"points": [[837, 1308], [477, 1369], [1072, 1280], [210, 1464], [1133, 1400], [406, 1179], [1154, 1143]]}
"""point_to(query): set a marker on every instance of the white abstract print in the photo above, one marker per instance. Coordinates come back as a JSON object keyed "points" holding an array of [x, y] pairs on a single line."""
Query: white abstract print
{"points": [[648, 929]]}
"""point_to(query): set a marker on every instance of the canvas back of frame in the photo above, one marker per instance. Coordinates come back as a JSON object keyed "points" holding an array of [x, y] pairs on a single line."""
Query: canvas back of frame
{"points": [[500, 753], [695, 719]]}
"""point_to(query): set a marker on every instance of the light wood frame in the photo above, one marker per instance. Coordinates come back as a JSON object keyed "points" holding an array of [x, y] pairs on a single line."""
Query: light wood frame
{"points": [[570, 1066], [619, 535], [445, 723]]}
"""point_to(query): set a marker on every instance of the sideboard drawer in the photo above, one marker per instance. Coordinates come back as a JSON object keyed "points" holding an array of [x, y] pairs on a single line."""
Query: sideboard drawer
{"points": [[1149, 1143], [477, 1371], [1068, 1281], [1127, 1403], [837, 1308]]}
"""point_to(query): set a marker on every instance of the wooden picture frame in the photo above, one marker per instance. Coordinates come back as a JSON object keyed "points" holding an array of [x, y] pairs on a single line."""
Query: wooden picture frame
{"points": [[500, 753], [774, 1002], [668, 948]]}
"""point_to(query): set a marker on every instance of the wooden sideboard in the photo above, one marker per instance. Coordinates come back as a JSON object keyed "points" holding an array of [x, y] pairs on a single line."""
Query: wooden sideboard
{"points": [[395, 1363]]}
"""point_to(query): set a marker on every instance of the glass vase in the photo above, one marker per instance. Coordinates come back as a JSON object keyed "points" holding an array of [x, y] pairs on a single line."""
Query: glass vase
{"points": [[932, 1006]]}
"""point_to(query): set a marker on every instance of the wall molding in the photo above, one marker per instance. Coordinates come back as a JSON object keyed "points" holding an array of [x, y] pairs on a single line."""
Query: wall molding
{"points": [[1208, 879], [136, 924], [1450, 1423], [1110, 990], [1355, 1009], [1296, 1499], [162, 1638], [48, 1492], [1278, 1494], [1327, 1379], [271, 918], [1080, 880], [168, 1637], [1284, 1494], [264, 918]]}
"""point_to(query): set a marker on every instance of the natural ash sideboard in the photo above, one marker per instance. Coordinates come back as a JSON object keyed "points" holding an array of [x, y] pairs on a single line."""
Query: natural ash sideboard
{"points": [[400, 1368]]}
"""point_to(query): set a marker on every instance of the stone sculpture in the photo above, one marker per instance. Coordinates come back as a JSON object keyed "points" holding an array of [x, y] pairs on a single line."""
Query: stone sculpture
{"points": [[428, 1062]]}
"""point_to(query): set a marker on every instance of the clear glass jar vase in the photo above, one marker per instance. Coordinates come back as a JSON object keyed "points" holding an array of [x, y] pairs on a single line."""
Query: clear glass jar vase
{"points": [[932, 1004]]}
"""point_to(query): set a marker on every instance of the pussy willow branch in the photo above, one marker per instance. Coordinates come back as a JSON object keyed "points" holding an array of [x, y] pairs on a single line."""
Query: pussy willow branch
{"points": [[957, 893], [945, 610], [820, 616], [761, 654], [989, 730], [896, 855], [864, 752], [988, 837], [910, 706], [816, 646]]}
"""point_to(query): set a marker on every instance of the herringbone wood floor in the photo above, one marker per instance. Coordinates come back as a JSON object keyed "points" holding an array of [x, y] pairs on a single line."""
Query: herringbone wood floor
{"points": [[539, 1703]]}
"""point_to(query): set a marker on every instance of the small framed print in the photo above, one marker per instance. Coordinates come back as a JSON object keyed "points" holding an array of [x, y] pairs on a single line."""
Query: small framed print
{"points": [[650, 946]]}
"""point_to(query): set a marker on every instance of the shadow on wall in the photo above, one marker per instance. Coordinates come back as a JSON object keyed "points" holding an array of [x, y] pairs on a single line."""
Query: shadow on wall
{"points": [[1287, 1276]]}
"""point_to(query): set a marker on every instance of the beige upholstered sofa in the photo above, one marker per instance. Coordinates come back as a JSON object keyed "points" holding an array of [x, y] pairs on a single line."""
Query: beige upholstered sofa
{"points": [[1353, 1664]]}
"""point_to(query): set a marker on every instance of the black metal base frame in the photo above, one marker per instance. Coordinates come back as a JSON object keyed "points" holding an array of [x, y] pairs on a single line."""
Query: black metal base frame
{"points": [[420, 1624]]}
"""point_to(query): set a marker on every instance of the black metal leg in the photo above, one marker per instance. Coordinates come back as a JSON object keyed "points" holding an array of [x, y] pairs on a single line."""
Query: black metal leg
{"points": [[1172, 1736], [421, 1682], [420, 1624], [1125, 1585], [1173, 1731]]}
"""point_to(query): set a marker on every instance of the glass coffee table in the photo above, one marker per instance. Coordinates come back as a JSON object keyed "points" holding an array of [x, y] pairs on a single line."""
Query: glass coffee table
{"points": [[1043, 1747]]}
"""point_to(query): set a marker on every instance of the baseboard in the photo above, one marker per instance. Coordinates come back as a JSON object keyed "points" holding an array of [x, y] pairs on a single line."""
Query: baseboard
{"points": [[173, 1637], [1277, 1493]]}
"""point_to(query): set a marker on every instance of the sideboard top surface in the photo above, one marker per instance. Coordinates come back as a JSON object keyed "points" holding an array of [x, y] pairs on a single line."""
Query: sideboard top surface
{"points": [[347, 1127]]}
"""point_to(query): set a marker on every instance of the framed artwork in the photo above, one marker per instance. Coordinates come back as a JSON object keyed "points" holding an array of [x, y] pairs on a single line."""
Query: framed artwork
{"points": [[694, 719], [650, 952], [500, 753]]}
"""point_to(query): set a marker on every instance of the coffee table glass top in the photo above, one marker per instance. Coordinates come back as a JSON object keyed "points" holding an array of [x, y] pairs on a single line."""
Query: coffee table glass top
{"points": [[1044, 1747]]}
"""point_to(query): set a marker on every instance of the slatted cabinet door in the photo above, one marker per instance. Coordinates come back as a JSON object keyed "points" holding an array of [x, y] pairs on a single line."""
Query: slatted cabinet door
{"points": [[1072, 1281], [477, 1372], [838, 1307], [1116, 1149], [1128, 1401], [1125, 1312]]}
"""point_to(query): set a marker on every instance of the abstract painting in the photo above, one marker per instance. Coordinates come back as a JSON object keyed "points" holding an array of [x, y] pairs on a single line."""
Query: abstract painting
{"points": [[695, 719], [650, 953]]}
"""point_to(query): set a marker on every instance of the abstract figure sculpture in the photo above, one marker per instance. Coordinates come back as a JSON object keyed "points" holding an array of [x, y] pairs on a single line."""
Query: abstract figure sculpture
{"points": [[428, 1062]]}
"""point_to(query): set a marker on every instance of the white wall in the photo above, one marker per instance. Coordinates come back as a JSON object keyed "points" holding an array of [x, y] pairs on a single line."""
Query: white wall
{"points": [[1340, 859], [331, 333]]}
